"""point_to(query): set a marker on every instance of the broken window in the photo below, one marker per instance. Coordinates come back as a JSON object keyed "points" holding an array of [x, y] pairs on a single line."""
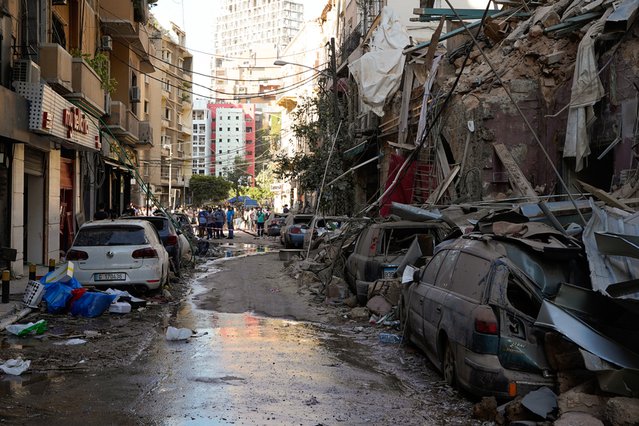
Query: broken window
{"points": [[447, 268], [521, 298]]}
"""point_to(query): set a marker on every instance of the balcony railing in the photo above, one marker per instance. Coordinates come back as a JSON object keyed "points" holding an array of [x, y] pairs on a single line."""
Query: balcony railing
{"points": [[87, 88], [55, 67]]}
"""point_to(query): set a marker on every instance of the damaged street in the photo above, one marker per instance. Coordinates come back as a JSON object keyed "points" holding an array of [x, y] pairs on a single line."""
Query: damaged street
{"points": [[263, 350]]}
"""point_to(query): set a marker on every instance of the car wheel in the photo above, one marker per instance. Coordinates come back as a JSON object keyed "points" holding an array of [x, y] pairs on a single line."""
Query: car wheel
{"points": [[448, 365]]}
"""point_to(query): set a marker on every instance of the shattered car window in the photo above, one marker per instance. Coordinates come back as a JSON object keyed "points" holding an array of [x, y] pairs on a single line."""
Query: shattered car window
{"points": [[111, 236], [446, 270], [521, 298], [548, 272]]}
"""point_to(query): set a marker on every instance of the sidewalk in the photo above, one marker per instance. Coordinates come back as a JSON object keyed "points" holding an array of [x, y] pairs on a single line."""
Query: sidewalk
{"points": [[15, 310]]}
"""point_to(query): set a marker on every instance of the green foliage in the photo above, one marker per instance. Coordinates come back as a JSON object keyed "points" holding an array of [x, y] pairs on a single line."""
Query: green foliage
{"points": [[238, 177], [207, 189], [102, 67]]}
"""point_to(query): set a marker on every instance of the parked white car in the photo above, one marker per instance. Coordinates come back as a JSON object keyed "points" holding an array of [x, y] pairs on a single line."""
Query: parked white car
{"points": [[117, 253]]}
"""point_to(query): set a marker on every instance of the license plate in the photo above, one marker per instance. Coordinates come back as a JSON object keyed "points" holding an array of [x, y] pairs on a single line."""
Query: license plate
{"points": [[114, 276]]}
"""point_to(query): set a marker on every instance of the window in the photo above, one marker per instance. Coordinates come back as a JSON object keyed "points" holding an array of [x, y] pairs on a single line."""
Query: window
{"points": [[430, 272], [469, 277], [167, 113], [249, 129], [446, 270]]}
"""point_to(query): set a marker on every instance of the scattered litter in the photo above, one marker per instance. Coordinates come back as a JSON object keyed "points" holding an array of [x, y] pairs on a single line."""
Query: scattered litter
{"points": [[311, 401], [33, 294], [358, 329], [71, 342], [390, 338], [91, 333], [26, 329], [173, 333], [120, 308], [125, 296], [15, 367]]}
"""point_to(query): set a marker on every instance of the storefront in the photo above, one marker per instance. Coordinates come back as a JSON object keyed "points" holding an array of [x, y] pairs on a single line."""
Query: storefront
{"points": [[53, 196]]}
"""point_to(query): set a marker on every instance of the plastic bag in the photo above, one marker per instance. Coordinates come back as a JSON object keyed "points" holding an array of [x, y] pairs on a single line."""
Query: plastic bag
{"points": [[92, 304], [15, 367], [57, 296], [173, 333], [30, 328]]}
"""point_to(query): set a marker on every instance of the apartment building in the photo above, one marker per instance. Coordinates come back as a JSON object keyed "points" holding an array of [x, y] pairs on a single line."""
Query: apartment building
{"points": [[73, 124], [233, 135], [201, 139], [171, 160]]}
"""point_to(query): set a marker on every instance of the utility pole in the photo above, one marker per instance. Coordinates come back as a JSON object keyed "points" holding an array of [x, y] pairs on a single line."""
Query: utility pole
{"points": [[334, 77], [170, 161]]}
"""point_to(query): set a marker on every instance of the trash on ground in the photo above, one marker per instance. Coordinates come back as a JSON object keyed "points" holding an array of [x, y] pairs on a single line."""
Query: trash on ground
{"points": [[173, 333], [119, 308], [33, 294], [71, 342], [542, 402], [390, 338], [92, 304], [26, 329], [15, 367]]}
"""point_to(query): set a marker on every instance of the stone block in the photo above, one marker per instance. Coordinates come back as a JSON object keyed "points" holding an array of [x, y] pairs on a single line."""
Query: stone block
{"points": [[622, 411], [582, 402], [576, 418]]}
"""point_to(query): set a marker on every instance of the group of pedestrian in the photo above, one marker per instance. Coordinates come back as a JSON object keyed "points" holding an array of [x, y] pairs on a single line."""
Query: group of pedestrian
{"points": [[211, 222]]}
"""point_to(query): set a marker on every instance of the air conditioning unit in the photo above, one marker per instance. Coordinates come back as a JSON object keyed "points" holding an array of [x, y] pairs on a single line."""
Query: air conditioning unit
{"points": [[106, 43], [134, 94], [26, 70]]}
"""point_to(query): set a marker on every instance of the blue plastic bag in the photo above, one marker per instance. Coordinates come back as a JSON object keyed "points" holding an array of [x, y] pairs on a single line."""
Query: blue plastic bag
{"points": [[57, 295], [92, 304]]}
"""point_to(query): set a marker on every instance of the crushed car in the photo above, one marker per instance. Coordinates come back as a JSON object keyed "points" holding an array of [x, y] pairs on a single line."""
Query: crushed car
{"points": [[381, 248]]}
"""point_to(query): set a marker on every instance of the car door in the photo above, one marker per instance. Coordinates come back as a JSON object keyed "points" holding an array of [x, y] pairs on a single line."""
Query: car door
{"points": [[415, 298], [434, 299], [518, 304]]}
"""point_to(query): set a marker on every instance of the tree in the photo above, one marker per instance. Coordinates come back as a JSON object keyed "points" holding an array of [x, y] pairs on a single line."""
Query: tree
{"points": [[208, 189], [238, 177]]}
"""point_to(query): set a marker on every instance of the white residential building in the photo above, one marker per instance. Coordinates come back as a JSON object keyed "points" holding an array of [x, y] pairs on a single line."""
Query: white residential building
{"points": [[201, 139]]}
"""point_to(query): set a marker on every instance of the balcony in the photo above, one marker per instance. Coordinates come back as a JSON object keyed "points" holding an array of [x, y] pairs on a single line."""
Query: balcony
{"points": [[55, 67], [124, 125], [87, 88], [146, 134], [127, 26]]}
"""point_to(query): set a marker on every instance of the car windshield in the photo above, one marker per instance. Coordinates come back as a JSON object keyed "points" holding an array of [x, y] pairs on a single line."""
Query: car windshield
{"points": [[111, 236]]}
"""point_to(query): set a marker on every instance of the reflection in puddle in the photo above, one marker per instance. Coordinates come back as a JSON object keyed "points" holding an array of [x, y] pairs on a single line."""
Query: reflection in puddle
{"points": [[227, 250]]}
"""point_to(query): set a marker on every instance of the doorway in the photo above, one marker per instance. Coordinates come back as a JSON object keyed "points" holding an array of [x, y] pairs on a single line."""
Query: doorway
{"points": [[34, 209]]}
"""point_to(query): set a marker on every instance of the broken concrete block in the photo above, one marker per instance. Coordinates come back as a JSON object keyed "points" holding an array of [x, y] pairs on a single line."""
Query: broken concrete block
{"points": [[459, 62], [359, 313], [550, 19], [378, 305], [306, 278], [337, 289], [486, 409], [576, 418], [582, 402], [536, 31], [554, 58], [622, 411]]}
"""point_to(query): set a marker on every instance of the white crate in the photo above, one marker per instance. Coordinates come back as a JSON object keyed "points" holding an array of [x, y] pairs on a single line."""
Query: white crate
{"points": [[33, 294]]}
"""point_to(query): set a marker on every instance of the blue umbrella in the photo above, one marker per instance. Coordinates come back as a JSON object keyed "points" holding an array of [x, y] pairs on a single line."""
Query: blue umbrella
{"points": [[244, 199]]}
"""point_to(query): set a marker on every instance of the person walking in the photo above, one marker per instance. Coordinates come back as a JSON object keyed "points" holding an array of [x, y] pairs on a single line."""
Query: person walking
{"points": [[201, 222], [230, 214], [260, 218]]}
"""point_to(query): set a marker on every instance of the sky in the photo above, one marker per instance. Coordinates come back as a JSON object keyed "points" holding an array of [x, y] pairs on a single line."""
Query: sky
{"points": [[197, 18]]}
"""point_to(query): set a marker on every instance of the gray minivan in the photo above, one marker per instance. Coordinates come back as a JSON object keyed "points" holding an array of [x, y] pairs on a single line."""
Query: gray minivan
{"points": [[472, 311]]}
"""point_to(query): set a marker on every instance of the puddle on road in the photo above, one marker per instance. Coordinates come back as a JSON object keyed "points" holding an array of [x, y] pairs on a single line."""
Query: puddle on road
{"points": [[240, 249]]}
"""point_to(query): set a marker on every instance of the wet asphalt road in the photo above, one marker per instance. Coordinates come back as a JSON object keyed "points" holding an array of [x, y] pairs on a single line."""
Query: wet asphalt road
{"points": [[240, 368]]}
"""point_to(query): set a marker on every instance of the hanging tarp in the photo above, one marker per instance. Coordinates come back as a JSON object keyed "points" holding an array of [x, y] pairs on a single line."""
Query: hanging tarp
{"points": [[378, 73]]}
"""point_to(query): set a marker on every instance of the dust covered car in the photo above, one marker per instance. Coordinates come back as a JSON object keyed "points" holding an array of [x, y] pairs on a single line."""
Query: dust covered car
{"points": [[293, 230], [119, 253], [472, 308], [381, 248]]}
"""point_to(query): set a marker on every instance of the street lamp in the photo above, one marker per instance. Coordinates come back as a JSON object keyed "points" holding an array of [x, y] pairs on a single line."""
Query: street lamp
{"points": [[281, 63]]}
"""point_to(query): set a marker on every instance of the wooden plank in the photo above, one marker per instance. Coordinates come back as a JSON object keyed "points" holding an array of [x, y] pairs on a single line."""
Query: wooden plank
{"points": [[444, 166], [605, 197], [434, 40], [407, 91], [442, 187], [402, 146], [517, 178]]}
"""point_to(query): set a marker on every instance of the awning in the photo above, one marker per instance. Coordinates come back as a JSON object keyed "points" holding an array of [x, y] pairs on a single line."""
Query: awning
{"points": [[356, 150]]}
